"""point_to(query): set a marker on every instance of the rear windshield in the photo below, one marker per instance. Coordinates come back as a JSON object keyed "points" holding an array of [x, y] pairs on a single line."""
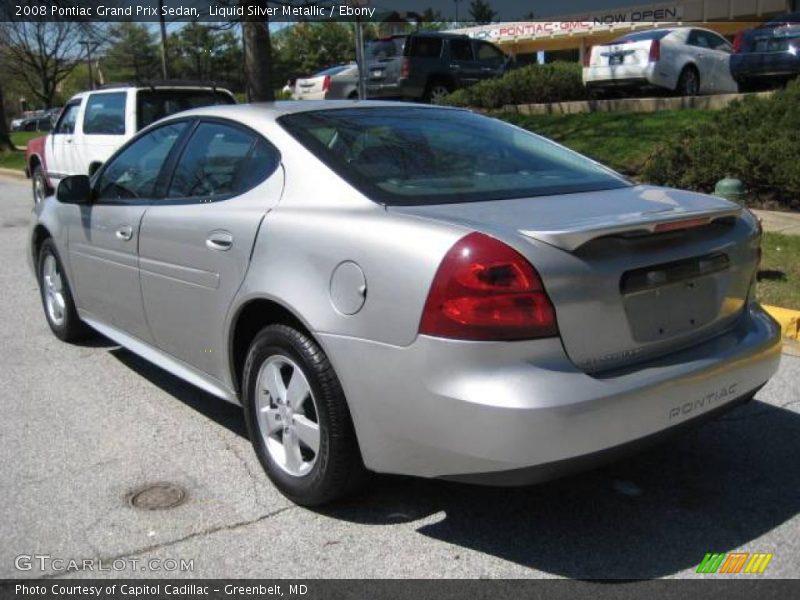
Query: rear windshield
{"points": [[385, 48], [332, 71], [412, 156], [153, 105], [643, 35]]}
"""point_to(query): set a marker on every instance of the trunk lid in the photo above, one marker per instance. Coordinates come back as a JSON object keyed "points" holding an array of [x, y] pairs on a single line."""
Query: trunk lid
{"points": [[621, 54], [623, 290], [309, 85]]}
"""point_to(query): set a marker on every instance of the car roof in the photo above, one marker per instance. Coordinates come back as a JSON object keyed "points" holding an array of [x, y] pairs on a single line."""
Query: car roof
{"points": [[438, 34], [273, 110], [124, 87]]}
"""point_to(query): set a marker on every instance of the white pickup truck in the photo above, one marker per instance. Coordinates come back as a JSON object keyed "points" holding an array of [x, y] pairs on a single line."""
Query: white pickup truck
{"points": [[93, 125]]}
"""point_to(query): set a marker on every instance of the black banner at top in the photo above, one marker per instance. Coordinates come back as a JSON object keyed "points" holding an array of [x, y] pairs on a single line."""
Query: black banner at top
{"points": [[582, 13]]}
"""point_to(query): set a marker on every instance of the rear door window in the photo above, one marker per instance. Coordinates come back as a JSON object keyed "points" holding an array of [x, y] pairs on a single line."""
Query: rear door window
{"points": [[220, 160], [426, 47], [105, 114], [461, 50]]}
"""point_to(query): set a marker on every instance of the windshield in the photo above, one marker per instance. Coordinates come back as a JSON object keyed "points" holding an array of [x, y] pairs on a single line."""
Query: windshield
{"points": [[399, 155], [153, 105]]}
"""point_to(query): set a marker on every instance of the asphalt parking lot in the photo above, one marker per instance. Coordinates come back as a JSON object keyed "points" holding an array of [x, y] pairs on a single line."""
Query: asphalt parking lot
{"points": [[84, 426]]}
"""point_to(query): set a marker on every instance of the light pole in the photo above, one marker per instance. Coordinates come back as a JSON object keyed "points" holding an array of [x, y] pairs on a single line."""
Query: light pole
{"points": [[360, 58], [457, 2], [90, 45]]}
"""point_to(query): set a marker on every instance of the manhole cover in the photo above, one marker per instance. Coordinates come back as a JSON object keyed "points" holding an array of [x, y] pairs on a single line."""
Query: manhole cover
{"points": [[158, 496]]}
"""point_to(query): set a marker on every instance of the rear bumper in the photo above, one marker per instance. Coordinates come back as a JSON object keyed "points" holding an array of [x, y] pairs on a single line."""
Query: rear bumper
{"points": [[384, 90], [310, 96], [764, 64], [634, 76], [520, 412]]}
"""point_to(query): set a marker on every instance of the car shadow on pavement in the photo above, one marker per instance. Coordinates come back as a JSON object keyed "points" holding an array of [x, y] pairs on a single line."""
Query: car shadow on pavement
{"points": [[715, 488], [224, 413]]}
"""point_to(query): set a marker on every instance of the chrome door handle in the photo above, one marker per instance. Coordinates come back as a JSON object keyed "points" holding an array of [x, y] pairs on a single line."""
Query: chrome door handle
{"points": [[124, 233], [219, 240]]}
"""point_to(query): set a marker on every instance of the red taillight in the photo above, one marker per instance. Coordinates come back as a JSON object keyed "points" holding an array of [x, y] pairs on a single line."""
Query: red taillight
{"points": [[405, 68], [737, 41], [587, 56], [655, 50], [486, 290], [326, 83]]}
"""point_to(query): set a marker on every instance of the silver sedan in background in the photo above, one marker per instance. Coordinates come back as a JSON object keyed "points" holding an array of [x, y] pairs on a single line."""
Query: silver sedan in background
{"points": [[334, 83], [408, 289]]}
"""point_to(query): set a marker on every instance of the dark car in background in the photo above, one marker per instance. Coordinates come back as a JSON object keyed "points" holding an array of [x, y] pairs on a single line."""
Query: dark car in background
{"points": [[767, 54], [429, 65]]}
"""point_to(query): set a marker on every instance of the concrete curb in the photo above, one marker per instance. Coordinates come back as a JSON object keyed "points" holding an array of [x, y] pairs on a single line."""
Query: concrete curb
{"points": [[640, 105], [12, 173], [789, 320]]}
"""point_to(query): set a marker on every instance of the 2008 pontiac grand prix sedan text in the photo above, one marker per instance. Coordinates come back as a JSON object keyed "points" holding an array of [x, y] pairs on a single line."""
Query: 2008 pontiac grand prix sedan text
{"points": [[408, 289]]}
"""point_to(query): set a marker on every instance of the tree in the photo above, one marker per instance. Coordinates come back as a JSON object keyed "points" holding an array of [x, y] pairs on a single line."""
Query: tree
{"points": [[5, 140], [307, 47], [133, 57], [257, 54], [481, 12], [207, 53], [42, 54]]}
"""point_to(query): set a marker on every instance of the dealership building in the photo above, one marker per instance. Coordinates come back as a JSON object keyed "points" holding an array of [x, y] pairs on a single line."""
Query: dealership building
{"points": [[569, 37]]}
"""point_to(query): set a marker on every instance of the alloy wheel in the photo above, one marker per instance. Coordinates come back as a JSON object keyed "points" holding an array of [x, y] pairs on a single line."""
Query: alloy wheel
{"points": [[53, 286], [438, 93], [38, 188], [287, 415]]}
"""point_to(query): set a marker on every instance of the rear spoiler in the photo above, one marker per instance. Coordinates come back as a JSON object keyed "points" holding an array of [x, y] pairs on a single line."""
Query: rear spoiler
{"points": [[629, 225]]}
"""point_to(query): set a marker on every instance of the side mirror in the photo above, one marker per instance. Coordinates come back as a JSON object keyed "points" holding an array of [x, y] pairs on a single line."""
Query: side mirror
{"points": [[75, 189]]}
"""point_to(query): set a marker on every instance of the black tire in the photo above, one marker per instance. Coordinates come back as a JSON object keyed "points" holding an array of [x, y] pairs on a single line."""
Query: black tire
{"points": [[70, 328], [436, 90], [39, 184], [688, 82], [338, 469]]}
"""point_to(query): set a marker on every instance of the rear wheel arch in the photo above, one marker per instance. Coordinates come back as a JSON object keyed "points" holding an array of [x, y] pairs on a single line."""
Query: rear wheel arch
{"points": [[442, 78], [249, 320], [689, 66], [33, 162]]}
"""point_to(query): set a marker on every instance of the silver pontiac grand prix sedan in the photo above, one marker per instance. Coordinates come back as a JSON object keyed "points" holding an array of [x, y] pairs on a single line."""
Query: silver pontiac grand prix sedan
{"points": [[408, 289]]}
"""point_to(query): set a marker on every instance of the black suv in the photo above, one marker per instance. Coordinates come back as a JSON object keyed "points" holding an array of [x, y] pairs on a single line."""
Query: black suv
{"points": [[429, 65]]}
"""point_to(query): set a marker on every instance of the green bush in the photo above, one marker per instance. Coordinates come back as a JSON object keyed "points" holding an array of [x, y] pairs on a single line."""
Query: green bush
{"points": [[554, 82], [756, 140]]}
